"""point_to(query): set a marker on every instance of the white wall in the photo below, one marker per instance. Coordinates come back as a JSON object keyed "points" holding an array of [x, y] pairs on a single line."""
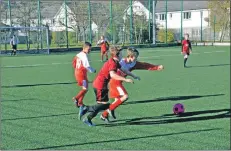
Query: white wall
{"points": [[61, 16], [175, 21], [139, 9]]}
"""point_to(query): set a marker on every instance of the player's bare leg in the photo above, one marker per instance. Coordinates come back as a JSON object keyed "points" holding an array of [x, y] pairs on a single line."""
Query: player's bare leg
{"points": [[185, 59], [102, 56], [78, 99], [106, 55]]}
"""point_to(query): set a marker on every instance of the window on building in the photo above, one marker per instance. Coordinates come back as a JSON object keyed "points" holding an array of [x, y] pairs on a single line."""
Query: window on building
{"points": [[187, 15], [170, 15], [162, 16], [53, 21]]}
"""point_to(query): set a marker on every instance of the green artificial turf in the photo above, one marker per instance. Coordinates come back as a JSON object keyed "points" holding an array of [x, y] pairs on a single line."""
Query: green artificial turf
{"points": [[38, 112]]}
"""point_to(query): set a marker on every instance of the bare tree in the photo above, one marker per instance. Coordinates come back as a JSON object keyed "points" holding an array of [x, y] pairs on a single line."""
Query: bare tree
{"points": [[26, 15]]}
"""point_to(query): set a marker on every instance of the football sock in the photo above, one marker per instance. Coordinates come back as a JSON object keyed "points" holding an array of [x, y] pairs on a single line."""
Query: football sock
{"points": [[185, 60], [115, 104], [80, 97]]}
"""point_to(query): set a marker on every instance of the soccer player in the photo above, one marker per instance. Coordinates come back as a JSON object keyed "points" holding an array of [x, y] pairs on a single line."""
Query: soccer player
{"points": [[100, 85], [116, 88], [81, 66], [13, 43], [104, 45], [186, 48]]}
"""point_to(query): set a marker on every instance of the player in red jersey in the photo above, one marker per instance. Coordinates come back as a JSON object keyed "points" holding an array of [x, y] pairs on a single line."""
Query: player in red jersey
{"points": [[186, 48], [100, 85], [104, 45], [116, 88], [81, 65]]}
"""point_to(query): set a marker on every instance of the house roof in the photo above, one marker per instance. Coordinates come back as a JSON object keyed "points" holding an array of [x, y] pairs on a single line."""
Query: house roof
{"points": [[176, 5]]}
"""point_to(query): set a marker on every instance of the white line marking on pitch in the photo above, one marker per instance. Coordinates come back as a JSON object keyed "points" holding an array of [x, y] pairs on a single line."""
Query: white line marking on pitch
{"points": [[36, 65]]}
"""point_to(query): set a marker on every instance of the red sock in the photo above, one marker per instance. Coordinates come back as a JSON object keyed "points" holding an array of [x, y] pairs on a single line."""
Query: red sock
{"points": [[80, 96], [105, 114], [115, 104], [80, 100]]}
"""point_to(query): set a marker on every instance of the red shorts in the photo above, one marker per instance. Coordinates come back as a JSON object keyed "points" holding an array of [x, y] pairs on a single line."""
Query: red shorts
{"points": [[81, 80], [116, 91], [103, 51], [186, 53]]}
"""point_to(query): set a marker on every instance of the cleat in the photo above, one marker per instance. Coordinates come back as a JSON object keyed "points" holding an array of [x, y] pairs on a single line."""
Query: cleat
{"points": [[111, 113], [82, 111], [105, 119], [88, 122], [75, 101]]}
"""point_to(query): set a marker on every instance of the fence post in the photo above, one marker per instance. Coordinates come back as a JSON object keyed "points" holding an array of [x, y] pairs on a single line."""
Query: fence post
{"points": [[131, 23], [39, 23], [201, 26], [111, 28], [89, 17], [9, 9], [149, 20], [166, 26], [154, 21], [65, 6], [214, 28], [181, 21]]}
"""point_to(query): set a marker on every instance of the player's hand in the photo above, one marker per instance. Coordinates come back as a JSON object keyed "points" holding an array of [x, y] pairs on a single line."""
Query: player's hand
{"points": [[129, 81], [160, 67]]}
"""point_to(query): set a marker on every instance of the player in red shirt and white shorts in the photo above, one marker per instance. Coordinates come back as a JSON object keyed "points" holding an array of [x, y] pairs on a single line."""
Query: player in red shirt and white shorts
{"points": [[116, 89], [81, 66], [186, 48], [104, 45]]}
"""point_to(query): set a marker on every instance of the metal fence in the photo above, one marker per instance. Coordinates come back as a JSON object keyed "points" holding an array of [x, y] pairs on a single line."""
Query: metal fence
{"points": [[71, 22]]}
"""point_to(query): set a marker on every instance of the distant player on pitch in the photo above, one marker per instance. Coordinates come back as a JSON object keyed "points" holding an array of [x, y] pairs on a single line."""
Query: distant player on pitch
{"points": [[104, 45], [186, 48]]}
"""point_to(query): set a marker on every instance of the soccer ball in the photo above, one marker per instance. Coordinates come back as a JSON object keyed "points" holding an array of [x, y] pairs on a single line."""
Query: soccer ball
{"points": [[178, 109]]}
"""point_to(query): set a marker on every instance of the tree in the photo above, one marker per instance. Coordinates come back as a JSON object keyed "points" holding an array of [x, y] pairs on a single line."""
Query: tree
{"points": [[25, 13], [219, 16], [77, 18]]}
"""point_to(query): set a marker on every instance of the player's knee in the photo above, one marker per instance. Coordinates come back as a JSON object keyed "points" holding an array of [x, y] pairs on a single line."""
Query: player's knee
{"points": [[124, 98]]}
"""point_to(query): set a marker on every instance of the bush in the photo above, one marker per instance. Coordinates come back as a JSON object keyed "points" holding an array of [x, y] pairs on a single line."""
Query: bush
{"points": [[161, 35]]}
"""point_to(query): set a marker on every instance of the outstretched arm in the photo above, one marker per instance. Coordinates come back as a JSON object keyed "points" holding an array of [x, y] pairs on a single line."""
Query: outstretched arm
{"points": [[146, 66]]}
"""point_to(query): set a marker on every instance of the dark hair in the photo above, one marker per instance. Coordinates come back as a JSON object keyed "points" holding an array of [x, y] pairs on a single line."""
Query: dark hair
{"points": [[87, 44]]}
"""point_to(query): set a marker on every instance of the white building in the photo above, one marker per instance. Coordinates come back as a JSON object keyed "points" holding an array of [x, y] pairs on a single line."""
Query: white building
{"points": [[192, 13]]}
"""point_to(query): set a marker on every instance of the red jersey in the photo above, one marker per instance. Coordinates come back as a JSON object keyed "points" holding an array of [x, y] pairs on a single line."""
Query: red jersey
{"points": [[102, 79], [103, 45], [186, 46], [80, 63]]}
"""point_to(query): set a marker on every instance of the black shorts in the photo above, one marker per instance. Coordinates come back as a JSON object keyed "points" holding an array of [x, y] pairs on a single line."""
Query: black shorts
{"points": [[14, 46], [101, 95]]}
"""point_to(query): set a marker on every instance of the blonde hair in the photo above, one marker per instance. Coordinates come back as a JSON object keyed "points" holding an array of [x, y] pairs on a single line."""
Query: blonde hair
{"points": [[132, 52], [114, 51]]}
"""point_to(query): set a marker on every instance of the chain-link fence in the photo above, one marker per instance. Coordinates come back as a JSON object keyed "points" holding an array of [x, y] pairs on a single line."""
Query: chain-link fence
{"points": [[71, 22]]}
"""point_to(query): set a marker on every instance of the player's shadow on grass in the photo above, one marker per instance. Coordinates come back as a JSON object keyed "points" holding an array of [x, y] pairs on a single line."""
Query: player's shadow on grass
{"points": [[36, 117], [171, 118], [212, 65], [124, 139], [172, 98], [40, 84]]}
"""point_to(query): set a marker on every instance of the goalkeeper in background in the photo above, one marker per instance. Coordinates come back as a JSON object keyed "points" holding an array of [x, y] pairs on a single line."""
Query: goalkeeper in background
{"points": [[13, 43]]}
